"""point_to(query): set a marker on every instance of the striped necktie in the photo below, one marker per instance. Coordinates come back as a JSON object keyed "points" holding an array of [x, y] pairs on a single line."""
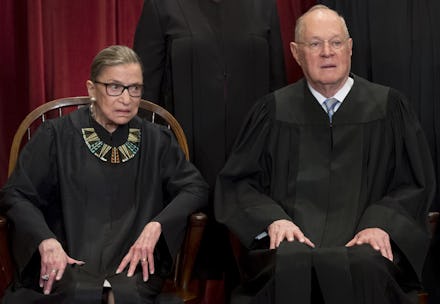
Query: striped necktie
{"points": [[330, 105]]}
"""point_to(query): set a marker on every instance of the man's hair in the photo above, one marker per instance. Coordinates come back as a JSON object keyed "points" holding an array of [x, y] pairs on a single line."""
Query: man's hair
{"points": [[111, 56], [299, 26]]}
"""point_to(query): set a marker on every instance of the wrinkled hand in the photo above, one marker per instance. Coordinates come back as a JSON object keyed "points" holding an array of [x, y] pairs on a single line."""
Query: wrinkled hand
{"points": [[377, 238], [142, 251], [53, 263], [284, 229]]}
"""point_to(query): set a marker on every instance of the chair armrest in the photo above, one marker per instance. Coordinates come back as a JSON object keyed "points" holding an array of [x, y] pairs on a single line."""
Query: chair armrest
{"points": [[6, 269], [180, 286], [190, 249], [432, 221]]}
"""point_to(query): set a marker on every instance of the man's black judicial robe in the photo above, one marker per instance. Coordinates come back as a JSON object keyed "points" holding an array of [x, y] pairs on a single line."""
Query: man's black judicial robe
{"points": [[207, 62], [370, 168], [97, 209]]}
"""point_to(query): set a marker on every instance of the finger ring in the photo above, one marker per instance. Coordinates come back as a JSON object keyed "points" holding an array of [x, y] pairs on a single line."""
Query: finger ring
{"points": [[54, 270], [45, 277], [144, 260]]}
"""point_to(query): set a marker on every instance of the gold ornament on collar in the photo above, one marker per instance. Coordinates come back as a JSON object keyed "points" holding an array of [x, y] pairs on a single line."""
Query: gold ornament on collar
{"points": [[111, 154]]}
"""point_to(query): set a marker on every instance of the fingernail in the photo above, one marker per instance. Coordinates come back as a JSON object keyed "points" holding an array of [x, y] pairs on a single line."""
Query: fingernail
{"points": [[46, 292], [118, 271], [129, 275], [145, 279], [41, 285]]}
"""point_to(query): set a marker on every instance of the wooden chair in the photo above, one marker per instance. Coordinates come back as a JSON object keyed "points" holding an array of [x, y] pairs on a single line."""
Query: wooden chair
{"points": [[180, 285]]}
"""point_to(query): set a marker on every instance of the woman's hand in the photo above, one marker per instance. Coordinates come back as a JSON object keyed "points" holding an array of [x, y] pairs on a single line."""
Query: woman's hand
{"points": [[142, 251], [53, 263]]}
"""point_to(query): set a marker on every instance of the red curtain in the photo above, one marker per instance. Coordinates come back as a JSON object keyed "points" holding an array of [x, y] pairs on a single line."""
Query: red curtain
{"points": [[289, 11], [46, 50]]}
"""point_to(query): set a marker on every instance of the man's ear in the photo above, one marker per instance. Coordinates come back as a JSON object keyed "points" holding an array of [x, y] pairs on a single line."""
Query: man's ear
{"points": [[350, 45], [294, 51]]}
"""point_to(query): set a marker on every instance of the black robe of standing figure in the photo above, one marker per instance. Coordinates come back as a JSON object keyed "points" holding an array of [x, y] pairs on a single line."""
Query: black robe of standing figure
{"points": [[370, 168], [97, 209], [207, 62]]}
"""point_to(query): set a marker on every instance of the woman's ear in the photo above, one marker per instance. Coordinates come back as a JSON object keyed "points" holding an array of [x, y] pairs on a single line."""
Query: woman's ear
{"points": [[90, 88]]}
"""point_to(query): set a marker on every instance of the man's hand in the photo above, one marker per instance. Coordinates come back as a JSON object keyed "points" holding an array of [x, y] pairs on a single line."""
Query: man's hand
{"points": [[142, 251], [284, 229], [377, 238], [53, 263]]}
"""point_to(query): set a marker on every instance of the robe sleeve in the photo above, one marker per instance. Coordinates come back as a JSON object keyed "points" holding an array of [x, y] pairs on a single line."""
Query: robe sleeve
{"points": [[242, 199], [402, 210], [149, 44], [29, 194], [185, 187]]}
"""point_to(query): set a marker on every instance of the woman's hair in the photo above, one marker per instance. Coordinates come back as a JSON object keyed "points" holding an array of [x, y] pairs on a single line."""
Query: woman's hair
{"points": [[111, 56]]}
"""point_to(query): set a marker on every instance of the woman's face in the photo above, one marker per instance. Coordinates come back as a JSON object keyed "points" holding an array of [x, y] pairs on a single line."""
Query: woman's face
{"points": [[111, 111]]}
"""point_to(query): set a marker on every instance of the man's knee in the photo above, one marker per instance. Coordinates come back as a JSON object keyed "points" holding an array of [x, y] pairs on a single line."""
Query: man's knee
{"points": [[365, 261]]}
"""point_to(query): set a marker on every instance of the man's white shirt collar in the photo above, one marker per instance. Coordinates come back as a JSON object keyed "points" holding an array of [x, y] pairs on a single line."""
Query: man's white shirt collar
{"points": [[340, 95]]}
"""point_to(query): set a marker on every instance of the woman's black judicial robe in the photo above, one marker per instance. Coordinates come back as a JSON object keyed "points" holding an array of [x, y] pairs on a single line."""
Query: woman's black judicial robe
{"points": [[97, 209], [207, 62], [370, 168]]}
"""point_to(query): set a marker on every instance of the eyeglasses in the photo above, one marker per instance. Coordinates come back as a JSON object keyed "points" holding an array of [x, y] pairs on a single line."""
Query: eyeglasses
{"points": [[317, 45], [116, 89]]}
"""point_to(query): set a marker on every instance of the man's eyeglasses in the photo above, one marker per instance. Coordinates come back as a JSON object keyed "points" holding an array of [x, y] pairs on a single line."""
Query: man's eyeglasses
{"points": [[317, 45], [116, 89]]}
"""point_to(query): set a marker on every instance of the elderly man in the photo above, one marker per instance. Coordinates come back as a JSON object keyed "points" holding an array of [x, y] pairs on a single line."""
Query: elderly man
{"points": [[329, 183]]}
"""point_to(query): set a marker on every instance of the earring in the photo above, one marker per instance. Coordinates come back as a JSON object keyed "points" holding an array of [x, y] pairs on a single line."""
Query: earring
{"points": [[92, 98], [92, 108]]}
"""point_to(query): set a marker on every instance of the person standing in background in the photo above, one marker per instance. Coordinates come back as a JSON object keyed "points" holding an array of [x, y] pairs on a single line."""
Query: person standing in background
{"points": [[207, 62]]}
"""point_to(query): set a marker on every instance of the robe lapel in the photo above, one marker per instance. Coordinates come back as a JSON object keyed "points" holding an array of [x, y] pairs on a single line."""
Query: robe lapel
{"points": [[295, 104], [360, 105]]}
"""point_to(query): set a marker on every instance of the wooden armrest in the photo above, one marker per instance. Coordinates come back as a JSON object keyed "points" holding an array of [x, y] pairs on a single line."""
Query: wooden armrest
{"points": [[433, 220], [6, 270], [190, 248], [181, 284]]}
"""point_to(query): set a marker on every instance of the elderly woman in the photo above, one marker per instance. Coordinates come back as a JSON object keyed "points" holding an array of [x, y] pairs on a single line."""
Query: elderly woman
{"points": [[99, 196]]}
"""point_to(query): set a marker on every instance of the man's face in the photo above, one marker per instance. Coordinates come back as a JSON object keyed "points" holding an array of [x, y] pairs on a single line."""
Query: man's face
{"points": [[323, 51]]}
